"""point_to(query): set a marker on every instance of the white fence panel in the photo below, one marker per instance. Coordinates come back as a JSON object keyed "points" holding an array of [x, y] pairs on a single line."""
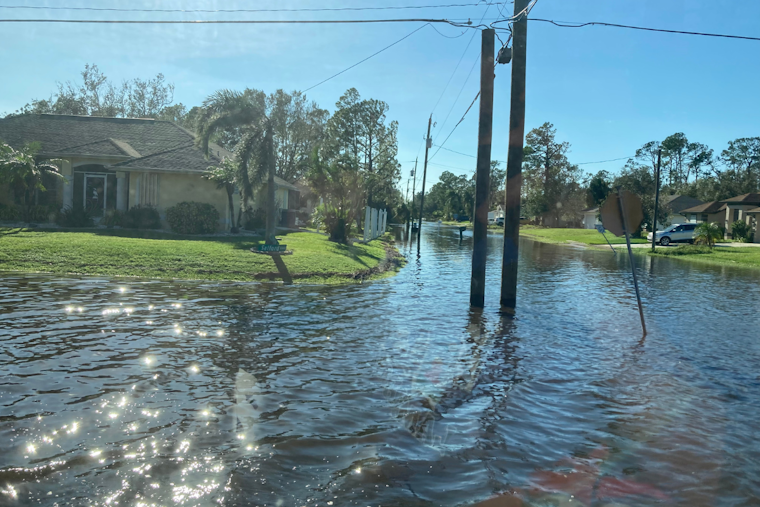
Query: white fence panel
{"points": [[375, 223]]}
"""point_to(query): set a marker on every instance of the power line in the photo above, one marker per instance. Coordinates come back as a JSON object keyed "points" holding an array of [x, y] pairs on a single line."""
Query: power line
{"points": [[466, 24], [457, 152], [603, 161], [455, 126], [459, 63], [214, 11], [570, 24], [369, 57]]}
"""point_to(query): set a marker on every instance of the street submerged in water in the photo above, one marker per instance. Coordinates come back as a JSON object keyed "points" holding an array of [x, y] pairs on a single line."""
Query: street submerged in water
{"points": [[388, 393]]}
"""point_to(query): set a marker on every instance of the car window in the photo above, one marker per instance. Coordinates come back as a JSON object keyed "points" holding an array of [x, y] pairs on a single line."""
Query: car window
{"points": [[690, 227]]}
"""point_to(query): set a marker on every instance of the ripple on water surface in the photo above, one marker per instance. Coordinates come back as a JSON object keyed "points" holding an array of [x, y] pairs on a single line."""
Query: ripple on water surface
{"points": [[392, 393]]}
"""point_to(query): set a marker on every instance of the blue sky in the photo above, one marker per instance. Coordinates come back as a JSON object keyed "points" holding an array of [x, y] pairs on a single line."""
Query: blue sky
{"points": [[607, 90]]}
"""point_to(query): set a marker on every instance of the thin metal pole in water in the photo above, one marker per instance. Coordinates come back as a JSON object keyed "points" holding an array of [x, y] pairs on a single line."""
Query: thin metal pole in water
{"points": [[630, 257], [414, 187], [428, 143], [514, 159], [483, 174], [656, 198]]}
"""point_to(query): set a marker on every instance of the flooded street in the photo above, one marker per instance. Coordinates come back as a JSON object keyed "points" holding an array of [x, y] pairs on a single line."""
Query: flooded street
{"points": [[126, 392]]}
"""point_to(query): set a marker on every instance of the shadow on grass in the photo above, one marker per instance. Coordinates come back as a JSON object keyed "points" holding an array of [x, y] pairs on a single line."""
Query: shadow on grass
{"points": [[283, 269], [10, 232]]}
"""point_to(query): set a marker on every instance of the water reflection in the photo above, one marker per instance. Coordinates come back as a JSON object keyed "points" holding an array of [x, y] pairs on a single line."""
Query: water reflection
{"points": [[390, 393]]}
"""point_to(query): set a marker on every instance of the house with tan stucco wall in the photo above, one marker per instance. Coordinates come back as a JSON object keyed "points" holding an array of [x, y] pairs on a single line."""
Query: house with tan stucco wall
{"points": [[119, 163]]}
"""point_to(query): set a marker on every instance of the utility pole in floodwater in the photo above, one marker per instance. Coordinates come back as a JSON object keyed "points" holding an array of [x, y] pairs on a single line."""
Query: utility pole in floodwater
{"points": [[656, 198], [483, 173], [514, 159], [428, 144], [414, 186]]}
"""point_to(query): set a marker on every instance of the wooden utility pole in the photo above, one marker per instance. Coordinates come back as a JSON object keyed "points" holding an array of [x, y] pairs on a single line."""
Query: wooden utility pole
{"points": [[514, 159], [428, 143], [656, 198], [483, 174], [414, 186]]}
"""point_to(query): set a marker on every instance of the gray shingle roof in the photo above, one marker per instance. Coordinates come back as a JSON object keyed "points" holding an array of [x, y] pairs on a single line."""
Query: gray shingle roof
{"points": [[678, 203], [184, 159], [708, 207], [58, 133], [743, 199], [100, 148]]}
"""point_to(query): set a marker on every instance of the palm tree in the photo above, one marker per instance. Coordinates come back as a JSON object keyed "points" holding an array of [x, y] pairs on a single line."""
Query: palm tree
{"points": [[21, 170], [707, 234], [225, 176], [242, 120]]}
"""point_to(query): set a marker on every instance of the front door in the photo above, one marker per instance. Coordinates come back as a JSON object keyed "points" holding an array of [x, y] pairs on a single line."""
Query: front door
{"points": [[95, 192]]}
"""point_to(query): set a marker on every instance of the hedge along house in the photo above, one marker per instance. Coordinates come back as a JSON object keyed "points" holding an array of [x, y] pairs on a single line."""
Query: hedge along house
{"points": [[119, 163]]}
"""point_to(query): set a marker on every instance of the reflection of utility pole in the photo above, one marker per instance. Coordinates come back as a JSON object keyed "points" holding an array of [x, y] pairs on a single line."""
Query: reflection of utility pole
{"points": [[656, 198], [483, 174], [428, 144], [514, 159]]}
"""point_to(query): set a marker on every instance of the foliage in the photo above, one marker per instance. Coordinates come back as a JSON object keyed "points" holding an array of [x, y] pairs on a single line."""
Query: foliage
{"points": [[24, 174], [255, 219], [141, 217], [243, 123], [113, 218], [75, 216], [707, 234], [552, 188], [742, 231], [120, 252], [318, 217], [359, 136], [193, 218], [340, 185], [97, 96], [9, 212], [452, 195], [599, 187], [225, 175]]}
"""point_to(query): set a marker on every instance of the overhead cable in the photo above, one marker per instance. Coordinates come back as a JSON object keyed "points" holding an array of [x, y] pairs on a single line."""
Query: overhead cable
{"points": [[369, 57], [461, 24], [569, 24], [214, 11]]}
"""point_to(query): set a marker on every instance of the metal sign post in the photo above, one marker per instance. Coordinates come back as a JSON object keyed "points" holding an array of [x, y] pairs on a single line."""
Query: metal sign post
{"points": [[621, 213], [601, 230]]}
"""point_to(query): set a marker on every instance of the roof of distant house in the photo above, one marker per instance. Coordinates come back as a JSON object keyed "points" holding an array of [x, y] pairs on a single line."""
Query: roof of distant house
{"points": [[138, 144], [708, 207], [756, 210], [743, 199], [590, 210], [677, 203]]}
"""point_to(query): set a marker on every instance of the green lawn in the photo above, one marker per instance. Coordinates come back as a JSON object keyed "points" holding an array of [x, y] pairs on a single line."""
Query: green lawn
{"points": [[585, 236], [152, 254], [718, 256]]}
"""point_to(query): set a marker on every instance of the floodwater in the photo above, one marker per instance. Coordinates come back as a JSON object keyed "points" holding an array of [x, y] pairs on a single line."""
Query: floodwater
{"points": [[124, 392]]}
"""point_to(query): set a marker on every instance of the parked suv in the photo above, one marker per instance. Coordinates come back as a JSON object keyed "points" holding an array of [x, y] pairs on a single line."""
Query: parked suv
{"points": [[675, 233]]}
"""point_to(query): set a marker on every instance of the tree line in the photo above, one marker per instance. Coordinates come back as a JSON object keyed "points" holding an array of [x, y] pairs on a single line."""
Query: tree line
{"points": [[349, 157], [555, 191]]}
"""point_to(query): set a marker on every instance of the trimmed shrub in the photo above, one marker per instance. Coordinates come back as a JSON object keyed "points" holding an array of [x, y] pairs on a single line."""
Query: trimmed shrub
{"points": [[740, 230], [41, 214], [75, 216], [193, 218], [141, 217], [113, 218], [9, 212]]}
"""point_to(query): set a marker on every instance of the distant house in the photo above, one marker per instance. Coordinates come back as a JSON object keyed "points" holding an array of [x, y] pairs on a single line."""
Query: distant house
{"points": [[711, 212], [119, 163], [674, 205], [744, 208], [590, 219]]}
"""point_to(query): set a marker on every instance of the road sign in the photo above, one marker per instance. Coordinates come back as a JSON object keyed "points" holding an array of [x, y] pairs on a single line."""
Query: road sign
{"points": [[271, 248], [631, 206]]}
